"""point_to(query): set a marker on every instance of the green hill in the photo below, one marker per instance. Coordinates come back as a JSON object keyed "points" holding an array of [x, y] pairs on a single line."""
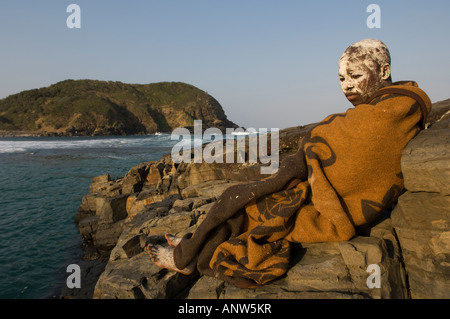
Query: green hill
{"points": [[89, 107]]}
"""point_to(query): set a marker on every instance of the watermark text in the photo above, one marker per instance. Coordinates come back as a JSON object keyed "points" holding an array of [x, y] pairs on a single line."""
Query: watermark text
{"points": [[74, 19], [374, 280], [74, 279], [374, 19], [213, 152]]}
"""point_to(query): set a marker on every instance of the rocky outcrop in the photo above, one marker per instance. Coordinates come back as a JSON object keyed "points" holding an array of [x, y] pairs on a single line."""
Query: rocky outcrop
{"points": [[408, 248], [422, 216], [89, 107]]}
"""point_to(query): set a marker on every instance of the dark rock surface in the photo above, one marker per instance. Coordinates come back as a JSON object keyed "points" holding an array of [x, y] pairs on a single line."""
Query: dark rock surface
{"points": [[410, 244]]}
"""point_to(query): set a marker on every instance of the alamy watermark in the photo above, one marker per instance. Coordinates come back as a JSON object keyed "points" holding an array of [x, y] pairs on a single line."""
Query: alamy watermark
{"points": [[74, 19], [374, 279], [374, 19], [214, 151], [74, 279]]}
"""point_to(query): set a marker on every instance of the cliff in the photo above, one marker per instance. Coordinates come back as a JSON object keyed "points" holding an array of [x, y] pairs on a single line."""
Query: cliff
{"points": [[410, 243], [88, 107]]}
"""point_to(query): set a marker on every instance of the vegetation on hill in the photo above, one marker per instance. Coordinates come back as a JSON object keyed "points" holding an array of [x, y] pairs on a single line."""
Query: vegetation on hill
{"points": [[89, 107]]}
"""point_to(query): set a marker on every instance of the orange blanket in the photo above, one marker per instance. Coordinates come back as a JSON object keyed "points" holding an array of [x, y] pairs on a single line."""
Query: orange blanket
{"points": [[354, 173]]}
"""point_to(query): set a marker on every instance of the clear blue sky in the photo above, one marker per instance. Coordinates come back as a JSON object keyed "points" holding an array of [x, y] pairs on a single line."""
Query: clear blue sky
{"points": [[269, 63]]}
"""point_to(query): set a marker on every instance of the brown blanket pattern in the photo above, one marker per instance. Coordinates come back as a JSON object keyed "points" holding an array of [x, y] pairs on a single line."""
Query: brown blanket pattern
{"points": [[346, 172]]}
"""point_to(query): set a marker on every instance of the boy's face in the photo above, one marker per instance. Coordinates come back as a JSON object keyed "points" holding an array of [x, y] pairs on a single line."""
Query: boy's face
{"points": [[359, 80]]}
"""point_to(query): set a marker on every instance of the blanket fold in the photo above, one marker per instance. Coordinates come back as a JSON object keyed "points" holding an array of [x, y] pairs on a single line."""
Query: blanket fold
{"points": [[345, 173]]}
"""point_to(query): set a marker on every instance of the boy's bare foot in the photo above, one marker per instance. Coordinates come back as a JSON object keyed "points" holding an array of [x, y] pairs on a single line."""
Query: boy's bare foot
{"points": [[162, 256], [172, 240]]}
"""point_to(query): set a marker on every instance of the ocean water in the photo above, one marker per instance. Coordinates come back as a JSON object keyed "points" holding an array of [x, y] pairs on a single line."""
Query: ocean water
{"points": [[42, 182]]}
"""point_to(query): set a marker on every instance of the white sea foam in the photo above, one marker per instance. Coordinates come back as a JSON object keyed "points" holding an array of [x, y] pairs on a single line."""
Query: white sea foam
{"points": [[31, 145], [240, 133], [11, 149]]}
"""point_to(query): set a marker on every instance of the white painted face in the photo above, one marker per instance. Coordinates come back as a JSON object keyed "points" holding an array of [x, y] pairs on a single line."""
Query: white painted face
{"points": [[359, 81]]}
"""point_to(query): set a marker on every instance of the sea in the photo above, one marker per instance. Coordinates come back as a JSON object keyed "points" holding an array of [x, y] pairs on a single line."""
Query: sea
{"points": [[42, 182]]}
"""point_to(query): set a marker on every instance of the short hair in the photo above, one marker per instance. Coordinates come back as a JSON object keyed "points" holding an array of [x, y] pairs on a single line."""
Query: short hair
{"points": [[369, 50]]}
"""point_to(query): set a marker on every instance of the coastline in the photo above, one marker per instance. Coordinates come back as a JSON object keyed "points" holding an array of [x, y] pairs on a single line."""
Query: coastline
{"points": [[17, 134], [117, 218], [9, 134]]}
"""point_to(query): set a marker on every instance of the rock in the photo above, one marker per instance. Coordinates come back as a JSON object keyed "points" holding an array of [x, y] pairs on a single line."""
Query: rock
{"points": [[425, 160], [422, 222], [88, 206], [115, 108], [344, 268], [105, 237], [139, 201], [138, 278], [153, 177], [90, 272], [195, 174], [111, 210], [127, 248], [211, 189], [98, 182], [107, 224], [105, 186], [212, 288], [201, 201], [128, 256], [409, 246], [88, 227], [174, 224], [439, 111], [325, 270], [135, 178], [291, 137], [183, 204], [422, 216]]}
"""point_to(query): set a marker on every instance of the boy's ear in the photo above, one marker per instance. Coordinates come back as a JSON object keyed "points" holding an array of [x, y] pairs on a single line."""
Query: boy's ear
{"points": [[386, 72]]}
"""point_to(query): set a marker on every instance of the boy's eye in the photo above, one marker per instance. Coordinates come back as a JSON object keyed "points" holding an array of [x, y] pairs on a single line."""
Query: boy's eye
{"points": [[356, 76]]}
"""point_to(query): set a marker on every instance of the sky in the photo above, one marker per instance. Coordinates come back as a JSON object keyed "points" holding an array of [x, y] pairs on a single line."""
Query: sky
{"points": [[270, 64]]}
